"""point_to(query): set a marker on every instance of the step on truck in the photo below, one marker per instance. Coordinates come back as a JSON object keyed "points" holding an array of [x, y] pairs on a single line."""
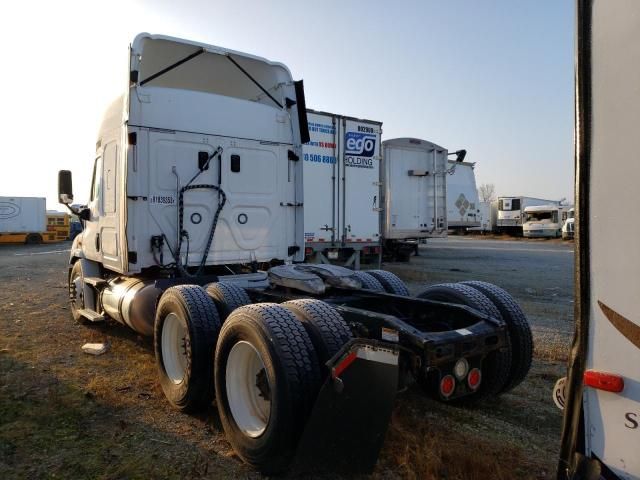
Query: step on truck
{"points": [[193, 235]]}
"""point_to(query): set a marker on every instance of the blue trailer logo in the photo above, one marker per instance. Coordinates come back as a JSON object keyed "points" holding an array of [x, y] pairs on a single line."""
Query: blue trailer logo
{"points": [[360, 144]]}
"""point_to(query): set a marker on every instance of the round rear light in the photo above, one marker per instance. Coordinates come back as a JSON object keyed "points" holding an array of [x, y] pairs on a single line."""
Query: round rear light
{"points": [[447, 385], [474, 378], [461, 368]]}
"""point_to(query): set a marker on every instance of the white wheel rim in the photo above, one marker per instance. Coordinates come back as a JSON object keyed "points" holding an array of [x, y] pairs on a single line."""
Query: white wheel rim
{"points": [[174, 348], [250, 410]]}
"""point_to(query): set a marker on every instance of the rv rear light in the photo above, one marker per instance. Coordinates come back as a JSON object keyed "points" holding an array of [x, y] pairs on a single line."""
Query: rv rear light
{"points": [[609, 382], [474, 378], [461, 368], [447, 385]]}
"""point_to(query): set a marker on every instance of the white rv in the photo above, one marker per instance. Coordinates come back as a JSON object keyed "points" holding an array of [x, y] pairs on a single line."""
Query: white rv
{"points": [[463, 206], [569, 226], [544, 221], [511, 212], [341, 190], [601, 425]]}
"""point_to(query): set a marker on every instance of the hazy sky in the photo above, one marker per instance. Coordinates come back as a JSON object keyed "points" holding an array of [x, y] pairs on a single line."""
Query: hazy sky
{"points": [[494, 77]]}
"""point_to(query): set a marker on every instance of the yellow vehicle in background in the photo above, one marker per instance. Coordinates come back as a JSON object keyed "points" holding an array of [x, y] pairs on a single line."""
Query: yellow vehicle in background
{"points": [[57, 227], [25, 220]]}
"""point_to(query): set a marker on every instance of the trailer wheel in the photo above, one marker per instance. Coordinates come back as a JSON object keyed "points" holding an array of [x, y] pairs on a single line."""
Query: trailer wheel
{"points": [[390, 282], [325, 326], [518, 327], [227, 297], [497, 364], [76, 291], [369, 281], [33, 239], [267, 377], [185, 333]]}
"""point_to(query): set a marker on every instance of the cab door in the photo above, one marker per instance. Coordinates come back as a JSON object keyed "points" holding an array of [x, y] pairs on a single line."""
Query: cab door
{"points": [[90, 234]]}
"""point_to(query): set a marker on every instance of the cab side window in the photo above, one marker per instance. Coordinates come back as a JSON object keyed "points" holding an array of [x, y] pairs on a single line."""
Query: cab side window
{"points": [[95, 183]]}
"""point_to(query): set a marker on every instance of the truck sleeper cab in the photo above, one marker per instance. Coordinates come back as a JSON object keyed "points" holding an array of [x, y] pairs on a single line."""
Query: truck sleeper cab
{"points": [[192, 235]]}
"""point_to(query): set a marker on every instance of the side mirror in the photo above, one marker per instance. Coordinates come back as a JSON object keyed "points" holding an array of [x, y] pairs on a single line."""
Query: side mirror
{"points": [[460, 154], [302, 112], [65, 187]]}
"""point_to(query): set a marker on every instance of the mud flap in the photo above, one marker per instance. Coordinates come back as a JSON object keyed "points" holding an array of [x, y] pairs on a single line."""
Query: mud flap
{"points": [[347, 426]]}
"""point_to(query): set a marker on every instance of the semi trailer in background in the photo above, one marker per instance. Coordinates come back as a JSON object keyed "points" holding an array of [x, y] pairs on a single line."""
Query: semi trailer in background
{"points": [[511, 214], [197, 240], [601, 424], [413, 194], [341, 165], [26, 220], [544, 221], [463, 205]]}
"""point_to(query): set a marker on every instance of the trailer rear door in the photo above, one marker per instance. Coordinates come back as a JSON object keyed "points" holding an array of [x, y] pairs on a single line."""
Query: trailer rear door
{"points": [[320, 178], [360, 179]]}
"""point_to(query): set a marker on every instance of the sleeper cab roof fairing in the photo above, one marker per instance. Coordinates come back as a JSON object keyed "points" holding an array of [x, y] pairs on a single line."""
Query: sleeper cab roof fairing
{"points": [[210, 72]]}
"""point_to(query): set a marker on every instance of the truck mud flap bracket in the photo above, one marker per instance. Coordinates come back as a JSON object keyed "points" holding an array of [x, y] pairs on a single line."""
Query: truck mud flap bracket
{"points": [[347, 426]]}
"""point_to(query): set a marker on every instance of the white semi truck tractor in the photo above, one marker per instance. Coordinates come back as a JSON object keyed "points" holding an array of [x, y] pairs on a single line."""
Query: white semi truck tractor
{"points": [[193, 235]]}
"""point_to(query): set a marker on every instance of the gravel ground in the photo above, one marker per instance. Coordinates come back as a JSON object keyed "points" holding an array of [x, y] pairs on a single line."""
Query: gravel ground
{"points": [[65, 414]]}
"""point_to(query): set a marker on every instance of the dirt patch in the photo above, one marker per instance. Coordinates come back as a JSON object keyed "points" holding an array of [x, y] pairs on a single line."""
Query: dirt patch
{"points": [[66, 414]]}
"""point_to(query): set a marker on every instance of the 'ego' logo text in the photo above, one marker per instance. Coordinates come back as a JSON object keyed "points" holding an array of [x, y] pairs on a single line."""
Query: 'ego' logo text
{"points": [[360, 144]]}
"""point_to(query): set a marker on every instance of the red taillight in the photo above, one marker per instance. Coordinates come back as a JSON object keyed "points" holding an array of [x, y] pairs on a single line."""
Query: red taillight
{"points": [[474, 378], [609, 382], [447, 385], [342, 366], [308, 251]]}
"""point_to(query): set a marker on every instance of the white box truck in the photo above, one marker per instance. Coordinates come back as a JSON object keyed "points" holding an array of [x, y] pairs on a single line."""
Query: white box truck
{"points": [[601, 424], [511, 212], [341, 188], [193, 235], [22, 219], [463, 209], [413, 178]]}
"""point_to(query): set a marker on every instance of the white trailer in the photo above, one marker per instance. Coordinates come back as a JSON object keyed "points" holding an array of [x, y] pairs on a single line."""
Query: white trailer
{"points": [[487, 216], [22, 219], [414, 193], [511, 212], [463, 209], [341, 190], [544, 221], [601, 425]]}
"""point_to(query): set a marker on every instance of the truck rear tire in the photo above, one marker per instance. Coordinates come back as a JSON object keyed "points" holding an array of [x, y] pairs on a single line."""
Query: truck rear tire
{"points": [[497, 364], [369, 281], [185, 333], [518, 327], [227, 297], [267, 378], [325, 326], [390, 282]]}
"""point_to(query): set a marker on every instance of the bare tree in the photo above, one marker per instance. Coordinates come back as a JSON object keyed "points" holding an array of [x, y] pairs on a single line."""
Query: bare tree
{"points": [[487, 192]]}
